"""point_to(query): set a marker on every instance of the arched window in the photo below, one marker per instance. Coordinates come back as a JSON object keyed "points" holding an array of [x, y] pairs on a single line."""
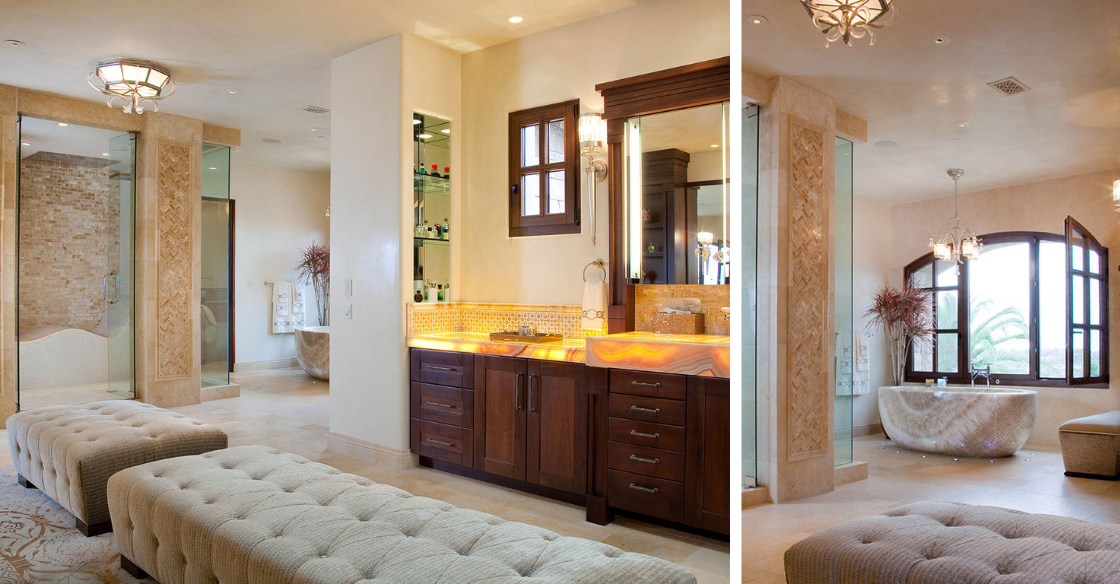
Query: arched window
{"points": [[1033, 307]]}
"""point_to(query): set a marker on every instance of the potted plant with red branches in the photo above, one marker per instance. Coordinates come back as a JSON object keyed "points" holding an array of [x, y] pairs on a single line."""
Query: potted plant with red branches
{"points": [[315, 267], [906, 318]]}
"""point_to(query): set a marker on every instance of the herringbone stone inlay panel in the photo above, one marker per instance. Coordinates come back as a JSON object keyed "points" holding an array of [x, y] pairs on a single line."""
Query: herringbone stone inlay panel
{"points": [[174, 261], [808, 296]]}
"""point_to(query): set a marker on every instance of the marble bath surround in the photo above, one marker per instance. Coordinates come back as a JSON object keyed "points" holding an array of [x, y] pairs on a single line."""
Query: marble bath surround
{"points": [[313, 349], [958, 421]]}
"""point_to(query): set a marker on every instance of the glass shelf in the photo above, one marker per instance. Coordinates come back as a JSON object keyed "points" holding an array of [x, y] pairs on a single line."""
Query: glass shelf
{"points": [[424, 241], [431, 185]]}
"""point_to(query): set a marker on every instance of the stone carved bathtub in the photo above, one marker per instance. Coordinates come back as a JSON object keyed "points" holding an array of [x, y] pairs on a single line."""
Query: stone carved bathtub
{"points": [[313, 349], [958, 421]]}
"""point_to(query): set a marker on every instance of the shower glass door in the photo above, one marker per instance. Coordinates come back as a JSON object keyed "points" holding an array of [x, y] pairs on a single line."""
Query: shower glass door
{"points": [[118, 284]]}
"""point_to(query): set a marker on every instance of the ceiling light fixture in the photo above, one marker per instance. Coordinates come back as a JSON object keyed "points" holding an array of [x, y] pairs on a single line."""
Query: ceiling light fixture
{"points": [[135, 81], [63, 124], [104, 153], [963, 125], [29, 143], [956, 244], [515, 19], [232, 91], [425, 136], [14, 43], [886, 144], [844, 20], [446, 131], [942, 39], [271, 140], [213, 168], [1115, 190], [757, 19]]}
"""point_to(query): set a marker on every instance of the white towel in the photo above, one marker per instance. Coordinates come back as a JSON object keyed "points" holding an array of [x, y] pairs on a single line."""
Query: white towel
{"points": [[861, 379], [594, 306], [298, 317], [282, 307]]}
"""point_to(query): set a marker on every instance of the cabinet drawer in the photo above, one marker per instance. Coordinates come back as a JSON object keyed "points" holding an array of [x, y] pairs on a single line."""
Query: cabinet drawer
{"points": [[646, 434], [647, 409], [446, 405], [646, 495], [661, 385], [643, 460], [443, 368], [443, 442]]}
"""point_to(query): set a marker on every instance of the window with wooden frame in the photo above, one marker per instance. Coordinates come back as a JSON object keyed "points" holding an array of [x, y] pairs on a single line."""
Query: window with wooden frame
{"points": [[1034, 307], [544, 170]]}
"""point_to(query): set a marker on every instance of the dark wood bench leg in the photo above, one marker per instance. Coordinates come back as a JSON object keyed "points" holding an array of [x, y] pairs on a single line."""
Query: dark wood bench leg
{"points": [[23, 482], [132, 569], [95, 529]]}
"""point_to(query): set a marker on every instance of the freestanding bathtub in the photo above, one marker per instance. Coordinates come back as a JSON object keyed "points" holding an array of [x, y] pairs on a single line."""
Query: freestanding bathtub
{"points": [[313, 349], [958, 421]]}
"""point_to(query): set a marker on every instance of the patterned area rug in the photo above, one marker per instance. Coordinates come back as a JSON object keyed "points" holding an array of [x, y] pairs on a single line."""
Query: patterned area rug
{"points": [[38, 542]]}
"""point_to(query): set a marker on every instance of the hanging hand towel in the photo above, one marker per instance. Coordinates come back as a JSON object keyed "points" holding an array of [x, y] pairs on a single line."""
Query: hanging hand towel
{"points": [[594, 306], [298, 316], [281, 307], [861, 378]]}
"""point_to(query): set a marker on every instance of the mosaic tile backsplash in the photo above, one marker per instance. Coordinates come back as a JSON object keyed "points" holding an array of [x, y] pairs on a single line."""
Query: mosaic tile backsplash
{"points": [[479, 317], [649, 300]]}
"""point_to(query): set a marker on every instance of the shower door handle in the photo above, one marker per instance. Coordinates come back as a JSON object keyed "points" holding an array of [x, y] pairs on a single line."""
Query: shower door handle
{"points": [[116, 288], [105, 289]]}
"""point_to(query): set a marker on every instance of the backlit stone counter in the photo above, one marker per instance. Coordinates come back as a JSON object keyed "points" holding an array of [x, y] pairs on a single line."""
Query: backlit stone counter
{"points": [[703, 355], [572, 350]]}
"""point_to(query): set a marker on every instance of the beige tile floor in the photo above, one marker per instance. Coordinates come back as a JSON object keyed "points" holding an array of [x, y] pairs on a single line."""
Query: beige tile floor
{"points": [[30, 399], [1030, 481], [287, 409]]}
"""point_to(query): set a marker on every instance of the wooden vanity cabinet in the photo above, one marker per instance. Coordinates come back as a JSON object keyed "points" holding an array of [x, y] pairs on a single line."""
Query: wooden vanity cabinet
{"points": [[708, 472]]}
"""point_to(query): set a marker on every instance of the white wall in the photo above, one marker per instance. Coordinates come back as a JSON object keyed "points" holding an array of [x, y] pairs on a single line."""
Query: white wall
{"points": [[278, 212], [872, 263], [557, 65]]}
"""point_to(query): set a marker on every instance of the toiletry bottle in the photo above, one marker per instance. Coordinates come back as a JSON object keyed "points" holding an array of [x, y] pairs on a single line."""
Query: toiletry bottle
{"points": [[447, 290], [422, 171], [433, 293], [439, 291], [419, 296], [447, 172], [435, 171], [446, 229], [439, 231]]}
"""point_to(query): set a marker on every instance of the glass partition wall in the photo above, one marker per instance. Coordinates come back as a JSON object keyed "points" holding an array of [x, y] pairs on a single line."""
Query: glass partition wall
{"points": [[847, 339], [749, 298], [216, 304]]}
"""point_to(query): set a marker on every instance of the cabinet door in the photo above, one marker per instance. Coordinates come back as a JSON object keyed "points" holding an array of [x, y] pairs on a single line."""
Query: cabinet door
{"points": [[500, 416], [557, 425], [708, 472]]}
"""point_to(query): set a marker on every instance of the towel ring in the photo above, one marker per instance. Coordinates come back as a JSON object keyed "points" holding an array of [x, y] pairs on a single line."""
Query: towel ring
{"points": [[598, 264]]}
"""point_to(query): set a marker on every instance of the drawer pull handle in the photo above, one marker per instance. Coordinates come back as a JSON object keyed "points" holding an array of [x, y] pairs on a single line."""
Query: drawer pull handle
{"points": [[432, 403], [643, 489], [644, 435], [439, 368], [441, 442], [645, 410], [643, 384], [637, 458]]}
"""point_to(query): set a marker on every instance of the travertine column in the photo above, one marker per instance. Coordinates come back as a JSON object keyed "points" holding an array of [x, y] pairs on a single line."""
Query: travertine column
{"points": [[8, 168]]}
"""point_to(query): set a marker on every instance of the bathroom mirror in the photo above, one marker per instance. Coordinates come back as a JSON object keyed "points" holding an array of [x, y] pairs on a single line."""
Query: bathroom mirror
{"points": [[676, 197]]}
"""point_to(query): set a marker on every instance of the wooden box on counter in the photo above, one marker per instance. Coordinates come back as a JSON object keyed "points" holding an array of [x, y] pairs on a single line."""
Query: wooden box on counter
{"points": [[652, 444]]}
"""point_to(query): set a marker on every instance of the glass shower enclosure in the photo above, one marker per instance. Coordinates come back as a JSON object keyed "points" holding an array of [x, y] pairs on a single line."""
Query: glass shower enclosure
{"points": [[217, 245], [844, 308], [749, 299]]}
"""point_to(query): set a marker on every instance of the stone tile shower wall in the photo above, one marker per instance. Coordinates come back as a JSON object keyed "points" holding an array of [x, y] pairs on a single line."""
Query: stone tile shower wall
{"points": [[67, 220], [649, 300]]}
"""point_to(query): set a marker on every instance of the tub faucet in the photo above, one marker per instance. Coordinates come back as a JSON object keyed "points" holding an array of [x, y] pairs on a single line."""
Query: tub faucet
{"points": [[985, 371]]}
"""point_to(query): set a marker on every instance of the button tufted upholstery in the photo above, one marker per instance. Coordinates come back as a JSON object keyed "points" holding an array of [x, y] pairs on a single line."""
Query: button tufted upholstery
{"points": [[71, 451], [253, 514], [950, 543], [1091, 446]]}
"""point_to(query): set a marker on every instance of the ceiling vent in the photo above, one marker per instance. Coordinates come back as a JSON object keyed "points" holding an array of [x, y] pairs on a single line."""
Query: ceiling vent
{"points": [[314, 109], [1009, 86]]}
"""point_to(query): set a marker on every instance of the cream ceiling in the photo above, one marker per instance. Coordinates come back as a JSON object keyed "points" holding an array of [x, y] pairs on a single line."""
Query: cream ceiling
{"points": [[916, 92], [275, 53]]}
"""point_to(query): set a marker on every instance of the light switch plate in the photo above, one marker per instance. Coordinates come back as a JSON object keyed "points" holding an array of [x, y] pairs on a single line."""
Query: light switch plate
{"points": [[348, 312], [349, 287]]}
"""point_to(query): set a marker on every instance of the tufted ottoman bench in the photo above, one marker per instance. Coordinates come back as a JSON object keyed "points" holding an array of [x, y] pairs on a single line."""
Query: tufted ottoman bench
{"points": [[253, 514], [950, 543], [71, 451], [1091, 446]]}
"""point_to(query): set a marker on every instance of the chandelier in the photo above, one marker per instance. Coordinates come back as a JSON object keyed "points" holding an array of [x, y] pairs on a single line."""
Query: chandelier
{"points": [[956, 243], [135, 81], [843, 20]]}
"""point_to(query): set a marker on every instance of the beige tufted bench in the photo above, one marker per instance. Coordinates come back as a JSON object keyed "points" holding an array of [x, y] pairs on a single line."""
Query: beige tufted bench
{"points": [[71, 451], [950, 543], [253, 514], [1091, 446]]}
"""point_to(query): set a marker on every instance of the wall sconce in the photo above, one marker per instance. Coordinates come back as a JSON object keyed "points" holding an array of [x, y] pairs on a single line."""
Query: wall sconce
{"points": [[591, 133], [1116, 192], [703, 253]]}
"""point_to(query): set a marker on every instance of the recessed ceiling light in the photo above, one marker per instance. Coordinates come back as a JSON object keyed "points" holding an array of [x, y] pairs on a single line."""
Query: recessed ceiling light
{"points": [[954, 139], [213, 168], [25, 143], [715, 145], [312, 129], [757, 19], [14, 43], [232, 91], [63, 124], [446, 131], [515, 19], [104, 153], [415, 122], [963, 125], [425, 136], [943, 39], [271, 140], [886, 144]]}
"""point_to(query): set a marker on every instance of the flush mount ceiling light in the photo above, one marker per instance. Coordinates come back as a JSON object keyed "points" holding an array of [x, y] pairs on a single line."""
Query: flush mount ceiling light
{"points": [[943, 39], [135, 81], [956, 244], [14, 43], [515, 19], [63, 124], [886, 144], [757, 19], [844, 20], [271, 140]]}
